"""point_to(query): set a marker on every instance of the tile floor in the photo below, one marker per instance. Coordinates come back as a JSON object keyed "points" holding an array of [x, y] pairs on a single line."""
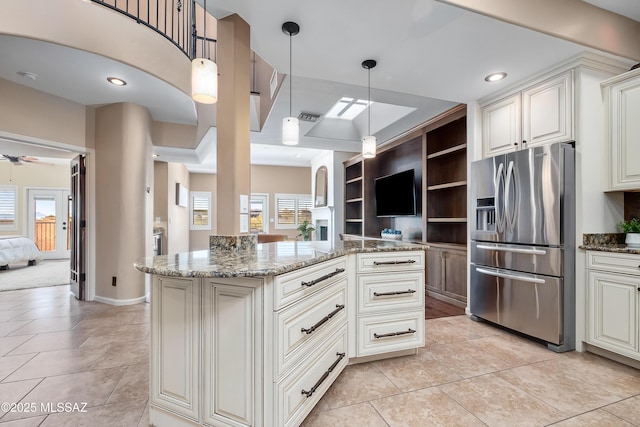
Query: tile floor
{"points": [[55, 350]]}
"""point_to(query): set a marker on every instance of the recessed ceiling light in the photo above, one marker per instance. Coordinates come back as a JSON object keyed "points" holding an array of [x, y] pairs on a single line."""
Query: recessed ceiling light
{"points": [[116, 81], [27, 75], [495, 77]]}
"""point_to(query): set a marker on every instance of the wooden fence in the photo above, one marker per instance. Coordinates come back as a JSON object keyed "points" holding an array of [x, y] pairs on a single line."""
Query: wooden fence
{"points": [[45, 234]]}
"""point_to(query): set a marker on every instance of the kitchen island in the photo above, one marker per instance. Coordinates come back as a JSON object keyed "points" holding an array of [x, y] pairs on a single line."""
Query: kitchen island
{"points": [[254, 335]]}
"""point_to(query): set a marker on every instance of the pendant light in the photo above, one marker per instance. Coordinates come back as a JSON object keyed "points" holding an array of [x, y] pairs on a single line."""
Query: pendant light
{"points": [[369, 142], [204, 73], [290, 127]]}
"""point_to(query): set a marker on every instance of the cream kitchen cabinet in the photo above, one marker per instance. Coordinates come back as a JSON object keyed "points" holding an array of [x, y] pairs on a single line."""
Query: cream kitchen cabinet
{"points": [[622, 101], [537, 114], [175, 377], [309, 339], [613, 302], [206, 351], [390, 309]]}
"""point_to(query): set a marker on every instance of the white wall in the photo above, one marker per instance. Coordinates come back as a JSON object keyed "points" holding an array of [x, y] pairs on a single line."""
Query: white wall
{"points": [[334, 211]]}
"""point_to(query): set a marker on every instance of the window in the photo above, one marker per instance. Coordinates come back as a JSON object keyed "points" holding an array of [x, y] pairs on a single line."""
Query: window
{"points": [[348, 108], [8, 195], [292, 210], [259, 213], [200, 210]]}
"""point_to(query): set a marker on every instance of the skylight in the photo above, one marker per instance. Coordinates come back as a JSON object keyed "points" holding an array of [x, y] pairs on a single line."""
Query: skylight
{"points": [[347, 108]]}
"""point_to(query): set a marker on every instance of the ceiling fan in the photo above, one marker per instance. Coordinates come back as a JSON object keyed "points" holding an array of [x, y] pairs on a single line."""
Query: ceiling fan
{"points": [[18, 160]]}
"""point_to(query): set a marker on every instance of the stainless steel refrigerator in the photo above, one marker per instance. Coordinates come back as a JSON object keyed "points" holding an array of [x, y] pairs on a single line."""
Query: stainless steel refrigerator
{"points": [[523, 243]]}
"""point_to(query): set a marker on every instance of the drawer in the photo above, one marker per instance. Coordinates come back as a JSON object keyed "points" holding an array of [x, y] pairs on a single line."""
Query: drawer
{"points": [[290, 287], [390, 291], [299, 392], [390, 261], [390, 332], [301, 326], [608, 261]]}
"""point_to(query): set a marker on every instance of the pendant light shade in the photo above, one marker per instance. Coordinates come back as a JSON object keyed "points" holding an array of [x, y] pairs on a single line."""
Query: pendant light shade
{"points": [[290, 131], [290, 125], [204, 81], [369, 142], [204, 72]]}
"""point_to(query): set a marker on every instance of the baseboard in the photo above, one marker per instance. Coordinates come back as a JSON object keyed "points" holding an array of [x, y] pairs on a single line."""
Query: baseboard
{"points": [[112, 301], [611, 355], [447, 299]]}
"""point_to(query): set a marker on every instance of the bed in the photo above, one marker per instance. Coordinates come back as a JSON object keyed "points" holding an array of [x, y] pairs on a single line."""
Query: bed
{"points": [[18, 249]]}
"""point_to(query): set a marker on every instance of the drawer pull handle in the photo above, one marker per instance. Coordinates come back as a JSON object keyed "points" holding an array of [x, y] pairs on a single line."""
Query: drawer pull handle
{"points": [[324, 376], [323, 320], [408, 261], [320, 279], [384, 294], [394, 334]]}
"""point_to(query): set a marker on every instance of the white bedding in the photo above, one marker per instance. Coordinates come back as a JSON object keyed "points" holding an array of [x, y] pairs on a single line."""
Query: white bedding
{"points": [[18, 249]]}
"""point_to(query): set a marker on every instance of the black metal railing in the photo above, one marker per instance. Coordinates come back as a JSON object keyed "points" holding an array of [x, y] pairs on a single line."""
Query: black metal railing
{"points": [[175, 20]]}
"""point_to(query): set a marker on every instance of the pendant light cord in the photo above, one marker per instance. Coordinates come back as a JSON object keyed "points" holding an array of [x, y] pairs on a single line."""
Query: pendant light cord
{"points": [[290, 76], [204, 18], [369, 106], [253, 89]]}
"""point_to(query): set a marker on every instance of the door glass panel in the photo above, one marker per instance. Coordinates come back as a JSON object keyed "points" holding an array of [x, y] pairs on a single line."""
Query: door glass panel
{"points": [[69, 222], [257, 216], [45, 224]]}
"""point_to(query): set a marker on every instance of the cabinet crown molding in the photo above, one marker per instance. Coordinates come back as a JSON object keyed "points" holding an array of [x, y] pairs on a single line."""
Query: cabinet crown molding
{"points": [[586, 59]]}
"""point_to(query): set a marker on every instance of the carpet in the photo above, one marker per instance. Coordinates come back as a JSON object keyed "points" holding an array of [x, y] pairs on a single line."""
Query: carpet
{"points": [[45, 273]]}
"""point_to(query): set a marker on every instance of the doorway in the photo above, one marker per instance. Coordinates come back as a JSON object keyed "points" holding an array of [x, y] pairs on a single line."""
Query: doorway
{"points": [[48, 221]]}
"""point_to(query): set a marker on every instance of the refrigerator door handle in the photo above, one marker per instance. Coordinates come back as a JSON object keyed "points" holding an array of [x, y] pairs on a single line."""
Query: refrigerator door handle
{"points": [[499, 203], [511, 249], [510, 217], [510, 276]]}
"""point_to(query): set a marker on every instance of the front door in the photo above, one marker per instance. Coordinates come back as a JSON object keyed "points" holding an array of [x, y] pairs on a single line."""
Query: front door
{"points": [[78, 227], [48, 223]]}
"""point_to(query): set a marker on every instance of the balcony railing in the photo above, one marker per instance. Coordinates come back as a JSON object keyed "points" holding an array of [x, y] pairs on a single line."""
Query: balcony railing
{"points": [[176, 20]]}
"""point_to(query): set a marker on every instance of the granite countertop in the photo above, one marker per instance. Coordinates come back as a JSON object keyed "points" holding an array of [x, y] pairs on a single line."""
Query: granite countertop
{"points": [[607, 242], [265, 259]]}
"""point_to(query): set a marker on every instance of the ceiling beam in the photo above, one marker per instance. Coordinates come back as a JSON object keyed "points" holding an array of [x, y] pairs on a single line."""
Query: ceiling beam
{"points": [[573, 20]]}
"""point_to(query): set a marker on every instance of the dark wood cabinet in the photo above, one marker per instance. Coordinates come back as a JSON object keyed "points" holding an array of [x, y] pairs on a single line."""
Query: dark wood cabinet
{"points": [[446, 272]]}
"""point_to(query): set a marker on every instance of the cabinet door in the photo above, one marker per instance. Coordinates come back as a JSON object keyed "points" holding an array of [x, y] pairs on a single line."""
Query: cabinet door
{"points": [[232, 331], [624, 129], [175, 345], [434, 270], [501, 126], [613, 312], [455, 274], [547, 111]]}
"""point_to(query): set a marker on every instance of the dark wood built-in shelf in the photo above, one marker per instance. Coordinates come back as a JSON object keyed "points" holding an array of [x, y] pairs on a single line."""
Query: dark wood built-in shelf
{"points": [[446, 219], [446, 185], [437, 152], [447, 151]]}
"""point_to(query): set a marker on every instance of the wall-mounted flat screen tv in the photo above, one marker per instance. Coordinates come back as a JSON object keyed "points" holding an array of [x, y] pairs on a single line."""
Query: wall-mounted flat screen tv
{"points": [[396, 194]]}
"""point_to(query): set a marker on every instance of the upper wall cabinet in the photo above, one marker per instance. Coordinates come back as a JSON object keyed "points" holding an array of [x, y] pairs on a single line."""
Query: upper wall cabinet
{"points": [[501, 126], [622, 98], [538, 114]]}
